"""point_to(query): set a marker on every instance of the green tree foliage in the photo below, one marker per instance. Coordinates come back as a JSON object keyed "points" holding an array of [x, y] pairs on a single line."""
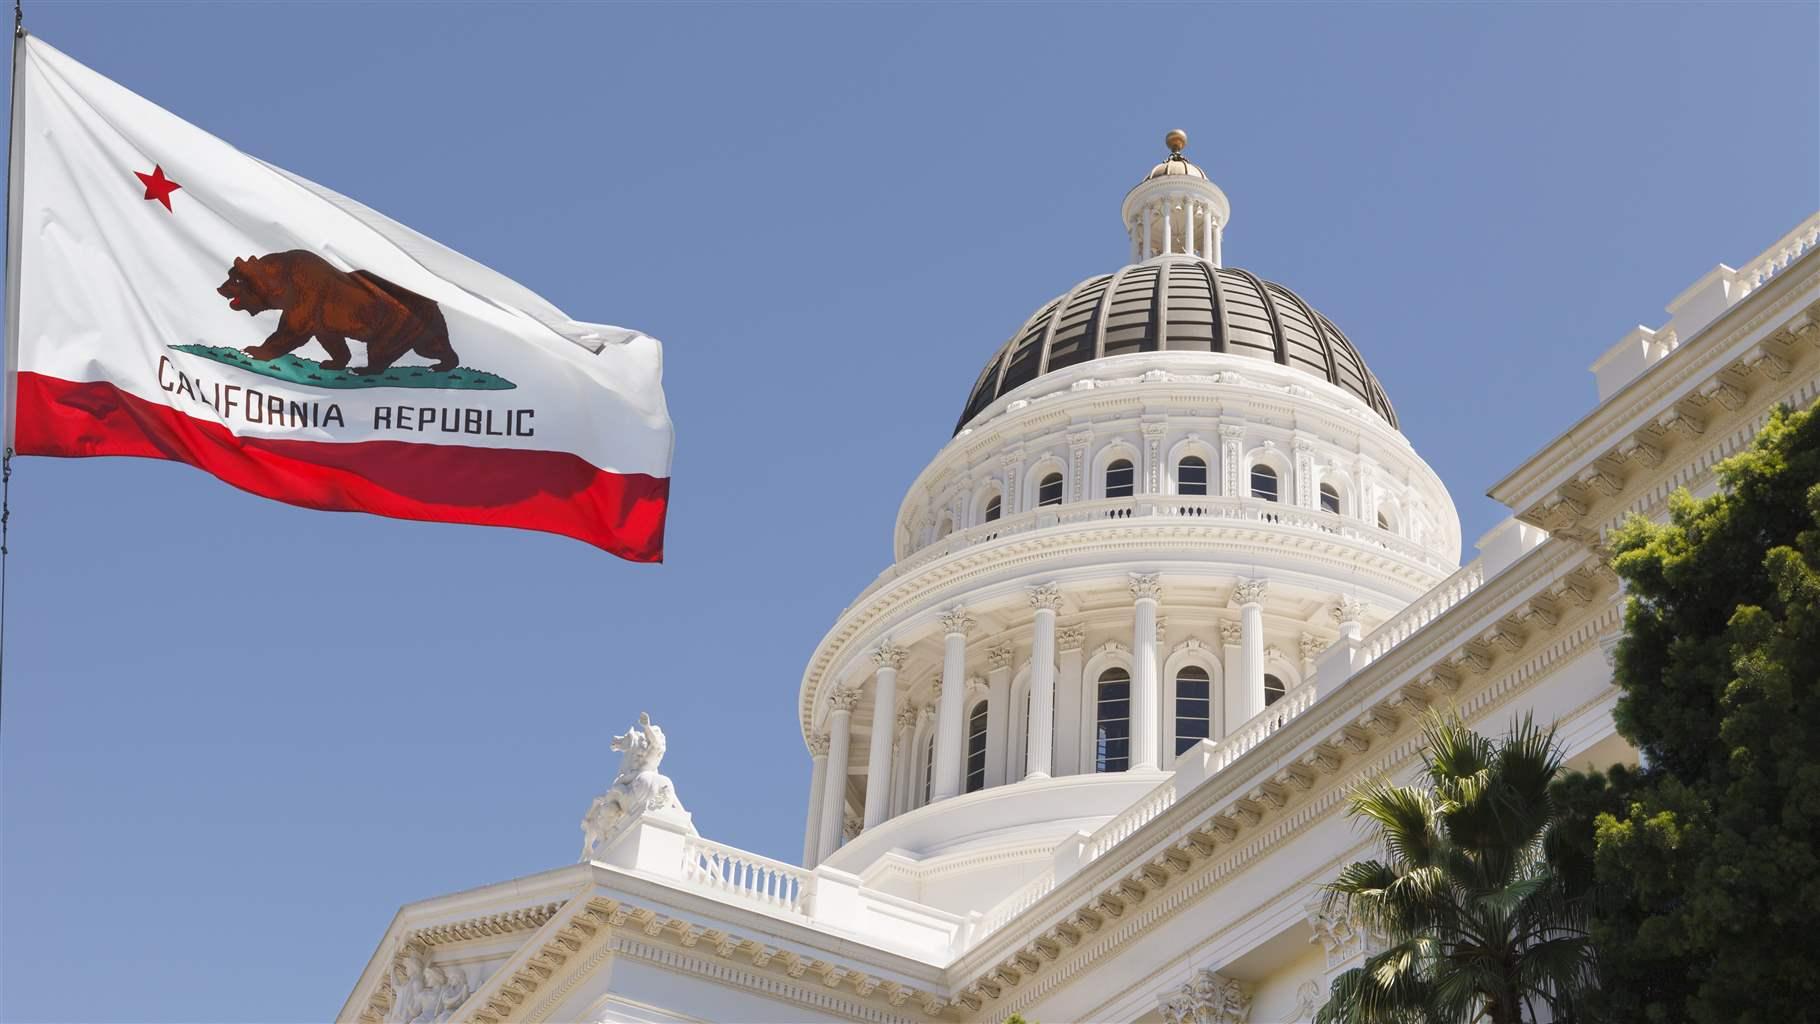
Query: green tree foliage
{"points": [[1708, 859], [1479, 923]]}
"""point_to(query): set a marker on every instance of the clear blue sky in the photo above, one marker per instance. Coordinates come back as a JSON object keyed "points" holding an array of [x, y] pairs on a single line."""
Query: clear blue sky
{"points": [[238, 735]]}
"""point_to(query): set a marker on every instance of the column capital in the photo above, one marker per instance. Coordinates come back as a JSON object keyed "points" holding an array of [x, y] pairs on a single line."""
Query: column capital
{"points": [[956, 621], [999, 655], [1080, 438], [1311, 646], [1045, 597], [1071, 638], [889, 655], [1231, 633], [818, 744], [906, 718], [1248, 592], [844, 699], [1207, 997], [1232, 431], [1153, 429], [1146, 586], [1347, 609]]}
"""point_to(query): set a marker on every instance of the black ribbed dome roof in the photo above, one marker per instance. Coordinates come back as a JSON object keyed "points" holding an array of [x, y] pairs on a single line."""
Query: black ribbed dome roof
{"points": [[1182, 305]]}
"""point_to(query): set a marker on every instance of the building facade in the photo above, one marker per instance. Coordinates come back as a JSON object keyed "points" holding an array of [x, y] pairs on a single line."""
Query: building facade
{"points": [[1081, 751]]}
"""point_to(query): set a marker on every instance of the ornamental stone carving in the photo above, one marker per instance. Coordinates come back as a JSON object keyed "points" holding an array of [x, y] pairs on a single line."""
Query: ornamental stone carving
{"points": [[1071, 638], [1347, 609], [1248, 592], [1045, 596], [889, 655], [818, 744], [424, 993], [999, 656], [1340, 932], [851, 826], [956, 621], [1311, 646], [844, 699], [906, 718], [1231, 633], [1207, 998], [1145, 586], [638, 790]]}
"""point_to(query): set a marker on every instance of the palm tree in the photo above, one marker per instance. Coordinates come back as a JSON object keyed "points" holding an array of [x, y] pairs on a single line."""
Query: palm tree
{"points": [[1480, 922]]}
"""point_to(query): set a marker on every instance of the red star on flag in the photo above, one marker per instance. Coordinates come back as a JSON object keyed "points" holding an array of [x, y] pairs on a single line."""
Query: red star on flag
{"points": [[157, 186]]}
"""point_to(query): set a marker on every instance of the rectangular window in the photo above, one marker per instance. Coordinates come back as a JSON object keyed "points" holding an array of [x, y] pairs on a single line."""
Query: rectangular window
{"points": [[1191, 477], [976, 749], [1112, 737], [1193, 709]]}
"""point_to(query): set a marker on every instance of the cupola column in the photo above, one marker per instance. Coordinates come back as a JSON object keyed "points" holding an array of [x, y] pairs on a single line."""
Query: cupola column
{"points": [[1147, 253], [947, 780], [889, 658], [999, 659], [818, 779], [1146, 689], [1039, 752], [834, 786], [1249, 595], [1232, 709]]}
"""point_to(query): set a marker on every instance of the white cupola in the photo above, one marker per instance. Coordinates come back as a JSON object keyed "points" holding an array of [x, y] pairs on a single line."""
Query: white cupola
{"points": [[1176, 209]]}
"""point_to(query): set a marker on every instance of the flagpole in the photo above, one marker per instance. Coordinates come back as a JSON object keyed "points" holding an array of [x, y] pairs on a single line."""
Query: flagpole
{"points": [[14, 202]]}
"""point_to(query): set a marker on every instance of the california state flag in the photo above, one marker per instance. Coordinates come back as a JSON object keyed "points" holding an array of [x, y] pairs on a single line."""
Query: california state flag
{"points": [[174, 298]]}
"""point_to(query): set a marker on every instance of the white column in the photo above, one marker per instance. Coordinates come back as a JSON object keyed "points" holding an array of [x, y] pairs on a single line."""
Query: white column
{"points": [[1232, 709], [1146, 689], [1147, 250], [1070, 667], [889, 658], [1039, 752], [948, 735], [1188, 206], [903, 762], [1207, 231], [1137, 255], [998, 715], [1168, 222], [1249, 595], [834, 786], [1216, 245], [818, 778], [1232, 461]]}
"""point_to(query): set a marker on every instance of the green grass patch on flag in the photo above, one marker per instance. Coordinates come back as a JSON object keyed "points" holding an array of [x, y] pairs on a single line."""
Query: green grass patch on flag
{"points": [[309, 373]]}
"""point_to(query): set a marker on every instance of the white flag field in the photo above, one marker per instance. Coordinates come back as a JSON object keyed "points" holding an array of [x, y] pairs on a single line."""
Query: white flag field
{"points": [[171, 297]]}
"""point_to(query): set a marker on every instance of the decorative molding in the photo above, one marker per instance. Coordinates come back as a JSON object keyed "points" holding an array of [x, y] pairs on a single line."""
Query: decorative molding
{"points": [[1207, 997], [1246, 592], [1070, 638], [844, 699], [889, 655], [1045, 597], [1145, 586], [956, 621], [999, 655], [818, 744], [1347, 609], [1341, 933], [1232, 634]]}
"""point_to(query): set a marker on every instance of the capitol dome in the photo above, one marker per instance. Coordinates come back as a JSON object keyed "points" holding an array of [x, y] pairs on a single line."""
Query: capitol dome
{"points": [[1176, 304]]}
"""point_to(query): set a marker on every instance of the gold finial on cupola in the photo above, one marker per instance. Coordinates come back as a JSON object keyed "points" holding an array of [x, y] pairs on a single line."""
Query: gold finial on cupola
{"points": [[1176, 140]]}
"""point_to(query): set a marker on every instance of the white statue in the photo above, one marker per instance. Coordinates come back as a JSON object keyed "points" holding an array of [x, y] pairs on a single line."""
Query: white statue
{"points": [[422, 992], [638, 789]]}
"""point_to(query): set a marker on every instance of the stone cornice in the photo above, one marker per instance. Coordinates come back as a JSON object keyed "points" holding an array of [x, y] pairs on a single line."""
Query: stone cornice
{"points": [[1662, 384], [1112, 542]]}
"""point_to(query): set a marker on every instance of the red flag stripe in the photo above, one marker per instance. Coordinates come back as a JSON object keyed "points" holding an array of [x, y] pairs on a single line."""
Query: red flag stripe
{"points": [[555, 492]]}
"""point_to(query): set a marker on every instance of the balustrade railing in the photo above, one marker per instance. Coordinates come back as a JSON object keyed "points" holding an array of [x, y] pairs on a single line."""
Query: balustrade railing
{"points": [[1399, 627], [1160, 505], [1264, 724], [1130, 820], [732, 872], [1018, 902], [1776, 258]]}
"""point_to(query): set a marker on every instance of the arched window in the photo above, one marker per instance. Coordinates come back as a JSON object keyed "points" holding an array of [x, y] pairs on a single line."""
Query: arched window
{"points": [[1049, 492], [1330, 499], [1112, 722], [976, 748], [1191, 476], [1264, 483], [1119, 479], [993, 508], [945, 527], [1193, 707], [1383, 521], [929, 767], [1273, 690]]}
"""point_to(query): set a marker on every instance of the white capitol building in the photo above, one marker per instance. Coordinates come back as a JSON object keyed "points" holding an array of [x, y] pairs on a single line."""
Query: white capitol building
{"points": [[1081, 752]]}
